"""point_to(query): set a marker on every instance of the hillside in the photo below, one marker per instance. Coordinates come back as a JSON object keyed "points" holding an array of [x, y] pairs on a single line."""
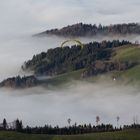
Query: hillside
{"points": [[111, 60], [83, 30], [122, 135], [61, 60], [130, 54]]}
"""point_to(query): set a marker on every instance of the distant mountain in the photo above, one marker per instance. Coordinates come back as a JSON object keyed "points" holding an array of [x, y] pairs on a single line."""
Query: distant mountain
{"points": [[82, 30]]}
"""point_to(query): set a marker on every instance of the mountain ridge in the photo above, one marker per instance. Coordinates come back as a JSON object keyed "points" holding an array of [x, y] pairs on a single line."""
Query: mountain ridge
{"points": [[120, 60], [89, 30]]}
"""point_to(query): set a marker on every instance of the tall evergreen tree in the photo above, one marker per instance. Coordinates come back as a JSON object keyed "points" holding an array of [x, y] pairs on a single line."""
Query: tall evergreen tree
{"points": [[4, 123], [18, 125]]}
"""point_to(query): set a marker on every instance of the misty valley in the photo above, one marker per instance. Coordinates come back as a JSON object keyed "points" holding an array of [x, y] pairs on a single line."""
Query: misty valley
{"points": [[89, 78], [69, 70]]}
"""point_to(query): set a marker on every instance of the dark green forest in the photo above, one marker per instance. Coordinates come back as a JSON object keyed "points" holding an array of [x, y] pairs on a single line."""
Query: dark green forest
{"points": [[20, 82], [66, 59], [93, 59], [82, 30]]}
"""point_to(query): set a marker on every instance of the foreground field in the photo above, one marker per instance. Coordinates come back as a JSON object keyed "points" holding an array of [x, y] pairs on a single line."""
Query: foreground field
{"points": [[122, 135]]}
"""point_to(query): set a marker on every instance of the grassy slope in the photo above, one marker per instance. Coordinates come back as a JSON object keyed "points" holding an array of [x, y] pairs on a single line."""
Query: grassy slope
{"points": [[122, 135], [131, 54], [126, 53], [64, 78]]}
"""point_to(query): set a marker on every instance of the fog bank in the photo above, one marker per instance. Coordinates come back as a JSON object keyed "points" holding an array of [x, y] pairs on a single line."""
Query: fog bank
{"points": [[80, 101]]}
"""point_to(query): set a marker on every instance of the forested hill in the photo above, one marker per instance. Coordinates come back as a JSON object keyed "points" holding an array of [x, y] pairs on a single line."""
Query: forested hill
{"points": [[81, 62], [66, 59], [82, 30]]}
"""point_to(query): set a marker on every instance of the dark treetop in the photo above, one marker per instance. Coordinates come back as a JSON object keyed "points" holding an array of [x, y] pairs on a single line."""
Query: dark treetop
{"points": [[82, 30]]}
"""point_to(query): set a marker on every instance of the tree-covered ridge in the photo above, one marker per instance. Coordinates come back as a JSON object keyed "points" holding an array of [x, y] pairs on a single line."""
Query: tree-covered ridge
{"points": [[65, 59], [20, 82], [81, 30]]}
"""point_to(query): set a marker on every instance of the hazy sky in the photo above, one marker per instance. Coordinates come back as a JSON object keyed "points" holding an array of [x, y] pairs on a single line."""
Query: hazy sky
{"points": [[27, 16]]}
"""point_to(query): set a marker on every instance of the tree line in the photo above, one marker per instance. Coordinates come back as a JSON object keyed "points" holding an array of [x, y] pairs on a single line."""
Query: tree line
{"points": [[68, 130], [82, 30], [66, 59], [20, 82]]}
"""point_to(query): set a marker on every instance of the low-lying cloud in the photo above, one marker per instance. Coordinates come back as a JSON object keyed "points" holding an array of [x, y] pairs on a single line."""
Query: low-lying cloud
{"points": [[80, 101]]}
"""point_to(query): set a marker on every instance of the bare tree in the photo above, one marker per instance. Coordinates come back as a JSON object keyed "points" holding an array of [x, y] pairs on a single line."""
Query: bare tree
{"points": [[97, 120], [135, 119], [118, 118], [137, 122], [69, 121]]}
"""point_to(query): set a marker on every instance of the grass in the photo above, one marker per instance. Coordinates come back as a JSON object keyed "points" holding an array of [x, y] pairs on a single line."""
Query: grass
{"points": [[64, 78], [129, 53], [133, 73], [121, 135]]}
